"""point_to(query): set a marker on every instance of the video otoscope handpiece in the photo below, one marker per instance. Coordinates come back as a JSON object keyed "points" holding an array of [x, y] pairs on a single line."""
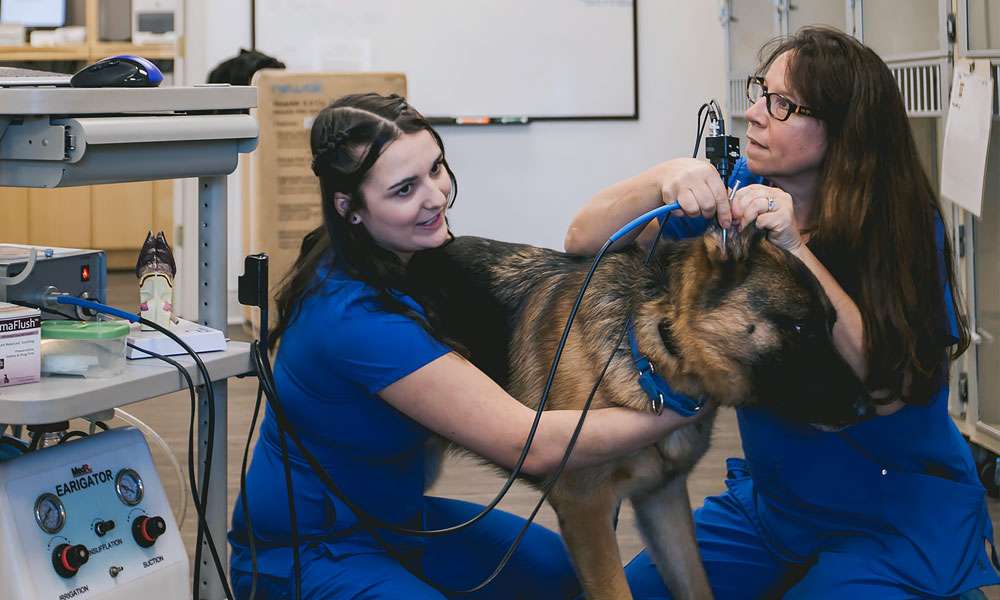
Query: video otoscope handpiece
{"points": [[722, 151]]}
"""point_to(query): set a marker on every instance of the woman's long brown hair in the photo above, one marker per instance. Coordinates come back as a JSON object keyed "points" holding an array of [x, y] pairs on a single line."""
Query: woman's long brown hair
{"points": [[874, 222]]}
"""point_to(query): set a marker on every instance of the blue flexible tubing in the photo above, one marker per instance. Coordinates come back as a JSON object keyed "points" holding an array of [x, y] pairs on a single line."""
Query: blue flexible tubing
{"points": [[643, 219], [97, 306]]}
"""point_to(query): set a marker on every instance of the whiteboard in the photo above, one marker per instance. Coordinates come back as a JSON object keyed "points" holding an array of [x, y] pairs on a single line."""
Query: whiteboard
{"points": [[535, 58]]}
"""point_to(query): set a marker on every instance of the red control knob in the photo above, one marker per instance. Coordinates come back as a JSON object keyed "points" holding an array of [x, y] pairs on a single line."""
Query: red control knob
{"points": [[145, 530], [68, 559]]}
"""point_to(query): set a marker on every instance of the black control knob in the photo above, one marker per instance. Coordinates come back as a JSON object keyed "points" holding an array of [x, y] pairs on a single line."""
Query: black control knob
{"points": [[101, 528], [68, 559], [145, 530]]}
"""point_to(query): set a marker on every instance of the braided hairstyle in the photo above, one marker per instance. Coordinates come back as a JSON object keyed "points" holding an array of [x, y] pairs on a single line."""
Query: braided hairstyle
{"points": [[347, 138]]}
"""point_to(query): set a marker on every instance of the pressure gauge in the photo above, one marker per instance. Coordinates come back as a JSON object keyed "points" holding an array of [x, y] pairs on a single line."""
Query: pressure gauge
{"points": [[50, 514], [128, 484]]}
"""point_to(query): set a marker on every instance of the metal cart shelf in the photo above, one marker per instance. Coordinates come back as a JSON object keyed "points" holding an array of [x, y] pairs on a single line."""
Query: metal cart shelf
{"points": [[62, 398], [58, 137]]}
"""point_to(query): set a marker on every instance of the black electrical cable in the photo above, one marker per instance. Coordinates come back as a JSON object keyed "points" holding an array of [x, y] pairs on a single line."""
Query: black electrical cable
{"points": [[199, 502], [245, 499], [265, 375], [245, 502], [192, 480], [251, 538], [293, 521], [390, 527], [202, 530], [551, 480], [203, 534], [700, 130], [373, 522], [70, 435], [719, 118]]}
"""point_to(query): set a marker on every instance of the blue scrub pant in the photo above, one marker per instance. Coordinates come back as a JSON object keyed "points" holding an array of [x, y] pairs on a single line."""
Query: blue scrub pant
{"points": [[539, 569], [740, 565]]}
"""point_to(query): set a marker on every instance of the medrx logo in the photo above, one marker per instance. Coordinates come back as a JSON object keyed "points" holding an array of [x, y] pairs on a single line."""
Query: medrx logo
{"points": [[82, 470]]}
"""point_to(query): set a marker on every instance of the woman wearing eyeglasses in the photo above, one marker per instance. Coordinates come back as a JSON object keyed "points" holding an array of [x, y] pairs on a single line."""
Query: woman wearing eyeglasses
{"points": [[888, 508]]}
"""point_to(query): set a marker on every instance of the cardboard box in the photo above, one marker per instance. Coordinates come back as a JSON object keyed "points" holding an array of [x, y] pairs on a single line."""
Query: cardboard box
{"points": [[20, 344], [283, 204]]}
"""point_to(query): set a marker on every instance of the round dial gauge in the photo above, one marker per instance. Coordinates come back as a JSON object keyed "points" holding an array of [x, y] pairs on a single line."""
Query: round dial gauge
{"points": [[128, 484], [50, 514]]}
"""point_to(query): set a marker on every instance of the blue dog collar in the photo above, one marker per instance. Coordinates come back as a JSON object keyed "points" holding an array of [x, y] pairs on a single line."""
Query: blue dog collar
{"points": [[658, 390]]}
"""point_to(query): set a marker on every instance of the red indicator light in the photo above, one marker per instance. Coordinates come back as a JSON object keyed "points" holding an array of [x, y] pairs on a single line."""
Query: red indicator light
{"points": [[85, 273]]}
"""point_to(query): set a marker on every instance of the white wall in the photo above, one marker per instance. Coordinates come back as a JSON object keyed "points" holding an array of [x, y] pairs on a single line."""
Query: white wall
{"points": [[524, 183], [214, 32]]}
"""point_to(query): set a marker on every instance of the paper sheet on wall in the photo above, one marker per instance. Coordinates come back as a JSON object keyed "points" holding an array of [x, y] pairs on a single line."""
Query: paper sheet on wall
{"points": [[967, 135]]}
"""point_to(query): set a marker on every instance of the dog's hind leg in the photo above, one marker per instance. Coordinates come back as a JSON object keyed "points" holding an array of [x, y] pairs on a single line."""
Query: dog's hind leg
{"points": [[665, 521], [586, 520]]}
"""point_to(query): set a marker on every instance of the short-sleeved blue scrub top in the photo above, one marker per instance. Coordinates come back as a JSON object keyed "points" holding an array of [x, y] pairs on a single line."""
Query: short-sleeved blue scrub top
{"points": [[341, 349]]}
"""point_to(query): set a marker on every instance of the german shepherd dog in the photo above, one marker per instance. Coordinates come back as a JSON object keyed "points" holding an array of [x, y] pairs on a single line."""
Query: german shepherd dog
{"points": [[739, 324]]}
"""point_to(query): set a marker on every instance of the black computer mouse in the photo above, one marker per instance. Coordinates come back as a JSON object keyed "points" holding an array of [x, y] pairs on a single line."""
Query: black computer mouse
{"points": [[124, 70]]}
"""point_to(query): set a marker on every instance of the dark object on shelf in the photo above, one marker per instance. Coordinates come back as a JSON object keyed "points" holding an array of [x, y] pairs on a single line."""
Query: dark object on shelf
{"points": [[239, 70]]}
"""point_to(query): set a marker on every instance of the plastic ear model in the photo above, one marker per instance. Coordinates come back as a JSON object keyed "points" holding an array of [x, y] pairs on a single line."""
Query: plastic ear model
{"points": [[155, 270]]}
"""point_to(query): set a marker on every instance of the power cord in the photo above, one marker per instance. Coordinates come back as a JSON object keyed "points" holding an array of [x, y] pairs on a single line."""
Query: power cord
{"points": [[256, 295], [128, 418], [203, 532], [244, 499], [373, 524]]}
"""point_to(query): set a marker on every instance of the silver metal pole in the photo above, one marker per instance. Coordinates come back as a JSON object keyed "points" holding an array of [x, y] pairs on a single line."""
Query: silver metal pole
{"points": [[212, 303]]}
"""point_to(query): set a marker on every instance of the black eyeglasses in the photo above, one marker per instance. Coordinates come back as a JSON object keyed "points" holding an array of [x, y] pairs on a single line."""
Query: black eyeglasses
{"points": [[778, 106]]}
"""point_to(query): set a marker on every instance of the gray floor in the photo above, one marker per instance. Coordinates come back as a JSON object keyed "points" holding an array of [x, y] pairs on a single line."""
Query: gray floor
{"points": [[462, 477]]}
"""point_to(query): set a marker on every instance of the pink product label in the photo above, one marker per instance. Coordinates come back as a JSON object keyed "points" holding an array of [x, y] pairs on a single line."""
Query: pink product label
{"points": [[20, 351]]}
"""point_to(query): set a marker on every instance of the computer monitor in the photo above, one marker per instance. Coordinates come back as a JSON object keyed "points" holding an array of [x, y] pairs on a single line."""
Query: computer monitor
{"points": [[33, 13]]}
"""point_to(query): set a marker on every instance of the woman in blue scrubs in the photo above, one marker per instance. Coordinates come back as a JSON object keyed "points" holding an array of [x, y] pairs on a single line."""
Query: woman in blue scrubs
{"points": [[368, 384], [888, 508]]}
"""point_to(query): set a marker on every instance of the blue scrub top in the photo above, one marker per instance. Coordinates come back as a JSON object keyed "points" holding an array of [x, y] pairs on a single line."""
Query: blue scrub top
{"points": [[901, 489], [341, 349]]}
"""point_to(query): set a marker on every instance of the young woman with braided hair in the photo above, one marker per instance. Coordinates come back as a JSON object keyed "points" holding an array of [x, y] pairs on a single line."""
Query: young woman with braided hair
{"points": [[367, 383]]}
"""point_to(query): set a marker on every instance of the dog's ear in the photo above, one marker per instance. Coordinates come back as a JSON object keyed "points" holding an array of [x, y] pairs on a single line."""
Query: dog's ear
{"points": [[738, 246], [714, 248]]}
